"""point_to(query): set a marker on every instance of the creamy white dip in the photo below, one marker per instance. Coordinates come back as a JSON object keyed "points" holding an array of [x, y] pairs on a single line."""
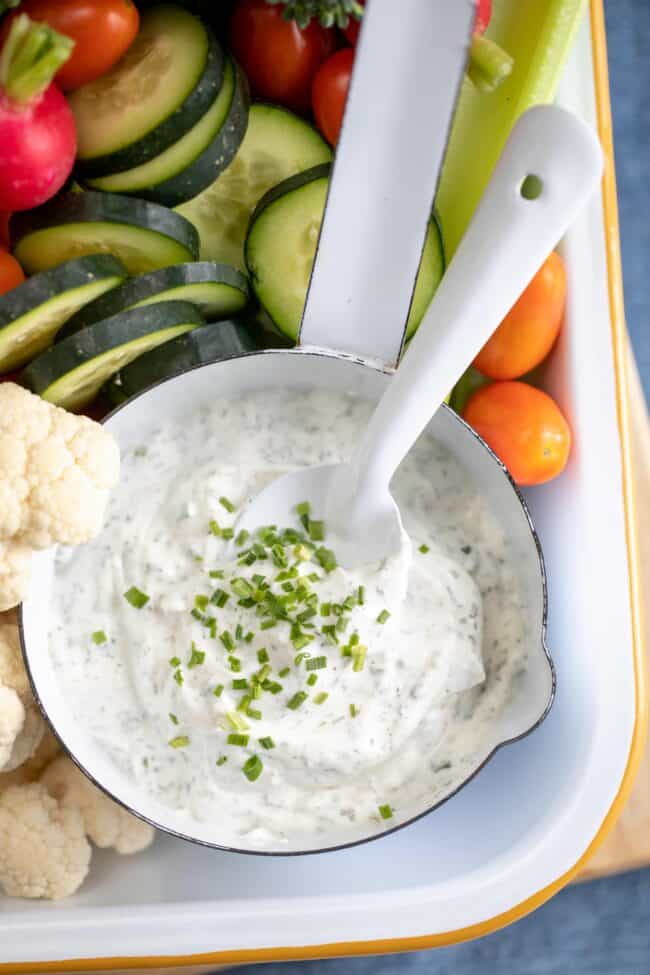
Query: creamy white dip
{"points": [[366, 723]]}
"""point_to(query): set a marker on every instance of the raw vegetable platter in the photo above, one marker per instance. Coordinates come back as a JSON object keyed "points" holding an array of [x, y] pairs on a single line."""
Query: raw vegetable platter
{"points": [[492, 854]]}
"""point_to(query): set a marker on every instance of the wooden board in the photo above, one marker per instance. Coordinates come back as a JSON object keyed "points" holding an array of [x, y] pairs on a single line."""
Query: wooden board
{"points": [[628, 845]]}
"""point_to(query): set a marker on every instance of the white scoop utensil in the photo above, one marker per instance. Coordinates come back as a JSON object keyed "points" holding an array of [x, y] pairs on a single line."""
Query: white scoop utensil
{"points": [[508, 239]]}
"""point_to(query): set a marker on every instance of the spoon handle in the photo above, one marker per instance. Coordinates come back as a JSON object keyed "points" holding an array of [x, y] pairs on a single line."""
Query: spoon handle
{"points": [[508, 239], [408, 69]]}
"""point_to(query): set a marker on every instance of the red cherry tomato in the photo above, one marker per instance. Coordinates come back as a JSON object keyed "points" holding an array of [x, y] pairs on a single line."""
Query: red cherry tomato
{"points": [[279, 58], [527, 333], [103, 30], [330, 91], [11, 273], [351, 32], [524, 427]]}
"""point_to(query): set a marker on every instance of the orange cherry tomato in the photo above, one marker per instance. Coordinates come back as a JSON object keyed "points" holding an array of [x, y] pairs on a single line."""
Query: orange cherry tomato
{"points": [[103, 30], [527, 333], [11, 273], [524, 427], [329, 92]]}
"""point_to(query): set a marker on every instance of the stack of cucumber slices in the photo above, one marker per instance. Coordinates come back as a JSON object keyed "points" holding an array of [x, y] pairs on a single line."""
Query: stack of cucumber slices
{"points": [[188, 201]]}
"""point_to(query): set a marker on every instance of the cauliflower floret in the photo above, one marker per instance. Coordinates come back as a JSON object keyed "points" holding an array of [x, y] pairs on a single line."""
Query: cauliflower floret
{"points": [[13, 678], [15, 570], [30, 770], [43, 847], [106, 823], [56, 470]]}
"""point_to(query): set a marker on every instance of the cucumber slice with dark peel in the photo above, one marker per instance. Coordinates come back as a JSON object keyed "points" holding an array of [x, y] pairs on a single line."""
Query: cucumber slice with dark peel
{"points": [[277, 144], [195, 161], [144, 235], [281, 245], [161, 87], [216, 289], [32, 313], [209, 343], [72, 372]]}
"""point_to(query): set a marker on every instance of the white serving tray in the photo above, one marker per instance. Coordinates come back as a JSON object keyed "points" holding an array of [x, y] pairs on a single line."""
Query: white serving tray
{"points": [[524, 826]]}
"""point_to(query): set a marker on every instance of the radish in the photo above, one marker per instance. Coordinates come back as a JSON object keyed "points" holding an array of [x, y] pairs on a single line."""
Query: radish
{"points": [[37, 131]]}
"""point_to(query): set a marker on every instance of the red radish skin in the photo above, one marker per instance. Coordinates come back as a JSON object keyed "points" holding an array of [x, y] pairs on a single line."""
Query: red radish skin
{"points": [[37, 129], [483, 15], [38, 149]]}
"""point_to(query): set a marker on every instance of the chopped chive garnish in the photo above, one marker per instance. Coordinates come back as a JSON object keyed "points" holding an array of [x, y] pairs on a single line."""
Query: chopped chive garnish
{"points": [[297, 700], [321, 698], [244, 702], [385, 811], [235, 664], [268, 624], [216, 574], [222, 760], [240, 684], [298, 659], [304, 508], [254, 713], [181, 741], [196, 658], [263, 655], [267, 742], [284, 672], [325, 609], [326, 558], [424, 549], [136, 597], [235, 738], [263, 672], [253, 768], [228, 505], [250, 636], [317, 531], [218, 691], [227, 640], [211, 623], [178, 677], [173, 718], [256, 690], [354, 639], [214, 528], [241, 587], [198, 558], [311, 680], [354, 710], [361, 595], [316, 663], [272, 686], [239, 632], [329, 632], [236, 721], [99, 637], [174, 661], [227, 533], [198, 615], [201, 602], [242, 537], [359, 657], [219, 598], [383, 616]]}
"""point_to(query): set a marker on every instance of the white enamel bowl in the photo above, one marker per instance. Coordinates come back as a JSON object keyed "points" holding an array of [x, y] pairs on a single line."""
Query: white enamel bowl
{"points": [[301, 368]]}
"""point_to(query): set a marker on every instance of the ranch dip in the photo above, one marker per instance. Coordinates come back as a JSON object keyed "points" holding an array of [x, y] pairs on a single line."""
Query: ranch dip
{"points": [[251, 681]]}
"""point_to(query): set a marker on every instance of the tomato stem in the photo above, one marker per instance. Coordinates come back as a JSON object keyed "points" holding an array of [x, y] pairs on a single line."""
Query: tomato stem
{"points": [[489, 64], [30, 57]]}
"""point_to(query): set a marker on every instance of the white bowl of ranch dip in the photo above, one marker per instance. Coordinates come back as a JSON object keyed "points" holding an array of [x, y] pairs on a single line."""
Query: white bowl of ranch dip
{"points": [[248, 692]]}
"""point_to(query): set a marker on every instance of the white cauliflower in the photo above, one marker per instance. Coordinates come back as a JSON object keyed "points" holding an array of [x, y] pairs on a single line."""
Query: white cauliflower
{"points": [[106, 823], [43, 847], [21, 724], [56, 470], [30, 770], [15, 571]]}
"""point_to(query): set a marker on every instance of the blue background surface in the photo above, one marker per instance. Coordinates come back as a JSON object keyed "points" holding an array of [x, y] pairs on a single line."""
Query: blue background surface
{"points": [[603, 927]]}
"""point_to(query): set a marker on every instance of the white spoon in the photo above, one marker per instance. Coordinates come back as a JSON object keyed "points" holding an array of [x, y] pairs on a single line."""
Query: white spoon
{"points": [[504, 246]]}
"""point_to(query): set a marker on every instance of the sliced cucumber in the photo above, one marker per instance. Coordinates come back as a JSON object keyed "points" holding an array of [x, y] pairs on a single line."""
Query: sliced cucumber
{"points": [[218, 290], [277, 144], [145, 236], [209, 343], [72, 372], [160, 88], [195, 161], [32, 313], [281, 245]]}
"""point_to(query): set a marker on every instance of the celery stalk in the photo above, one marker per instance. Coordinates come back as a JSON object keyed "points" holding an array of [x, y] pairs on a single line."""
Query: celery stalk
{"points": [[538, 34]]}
